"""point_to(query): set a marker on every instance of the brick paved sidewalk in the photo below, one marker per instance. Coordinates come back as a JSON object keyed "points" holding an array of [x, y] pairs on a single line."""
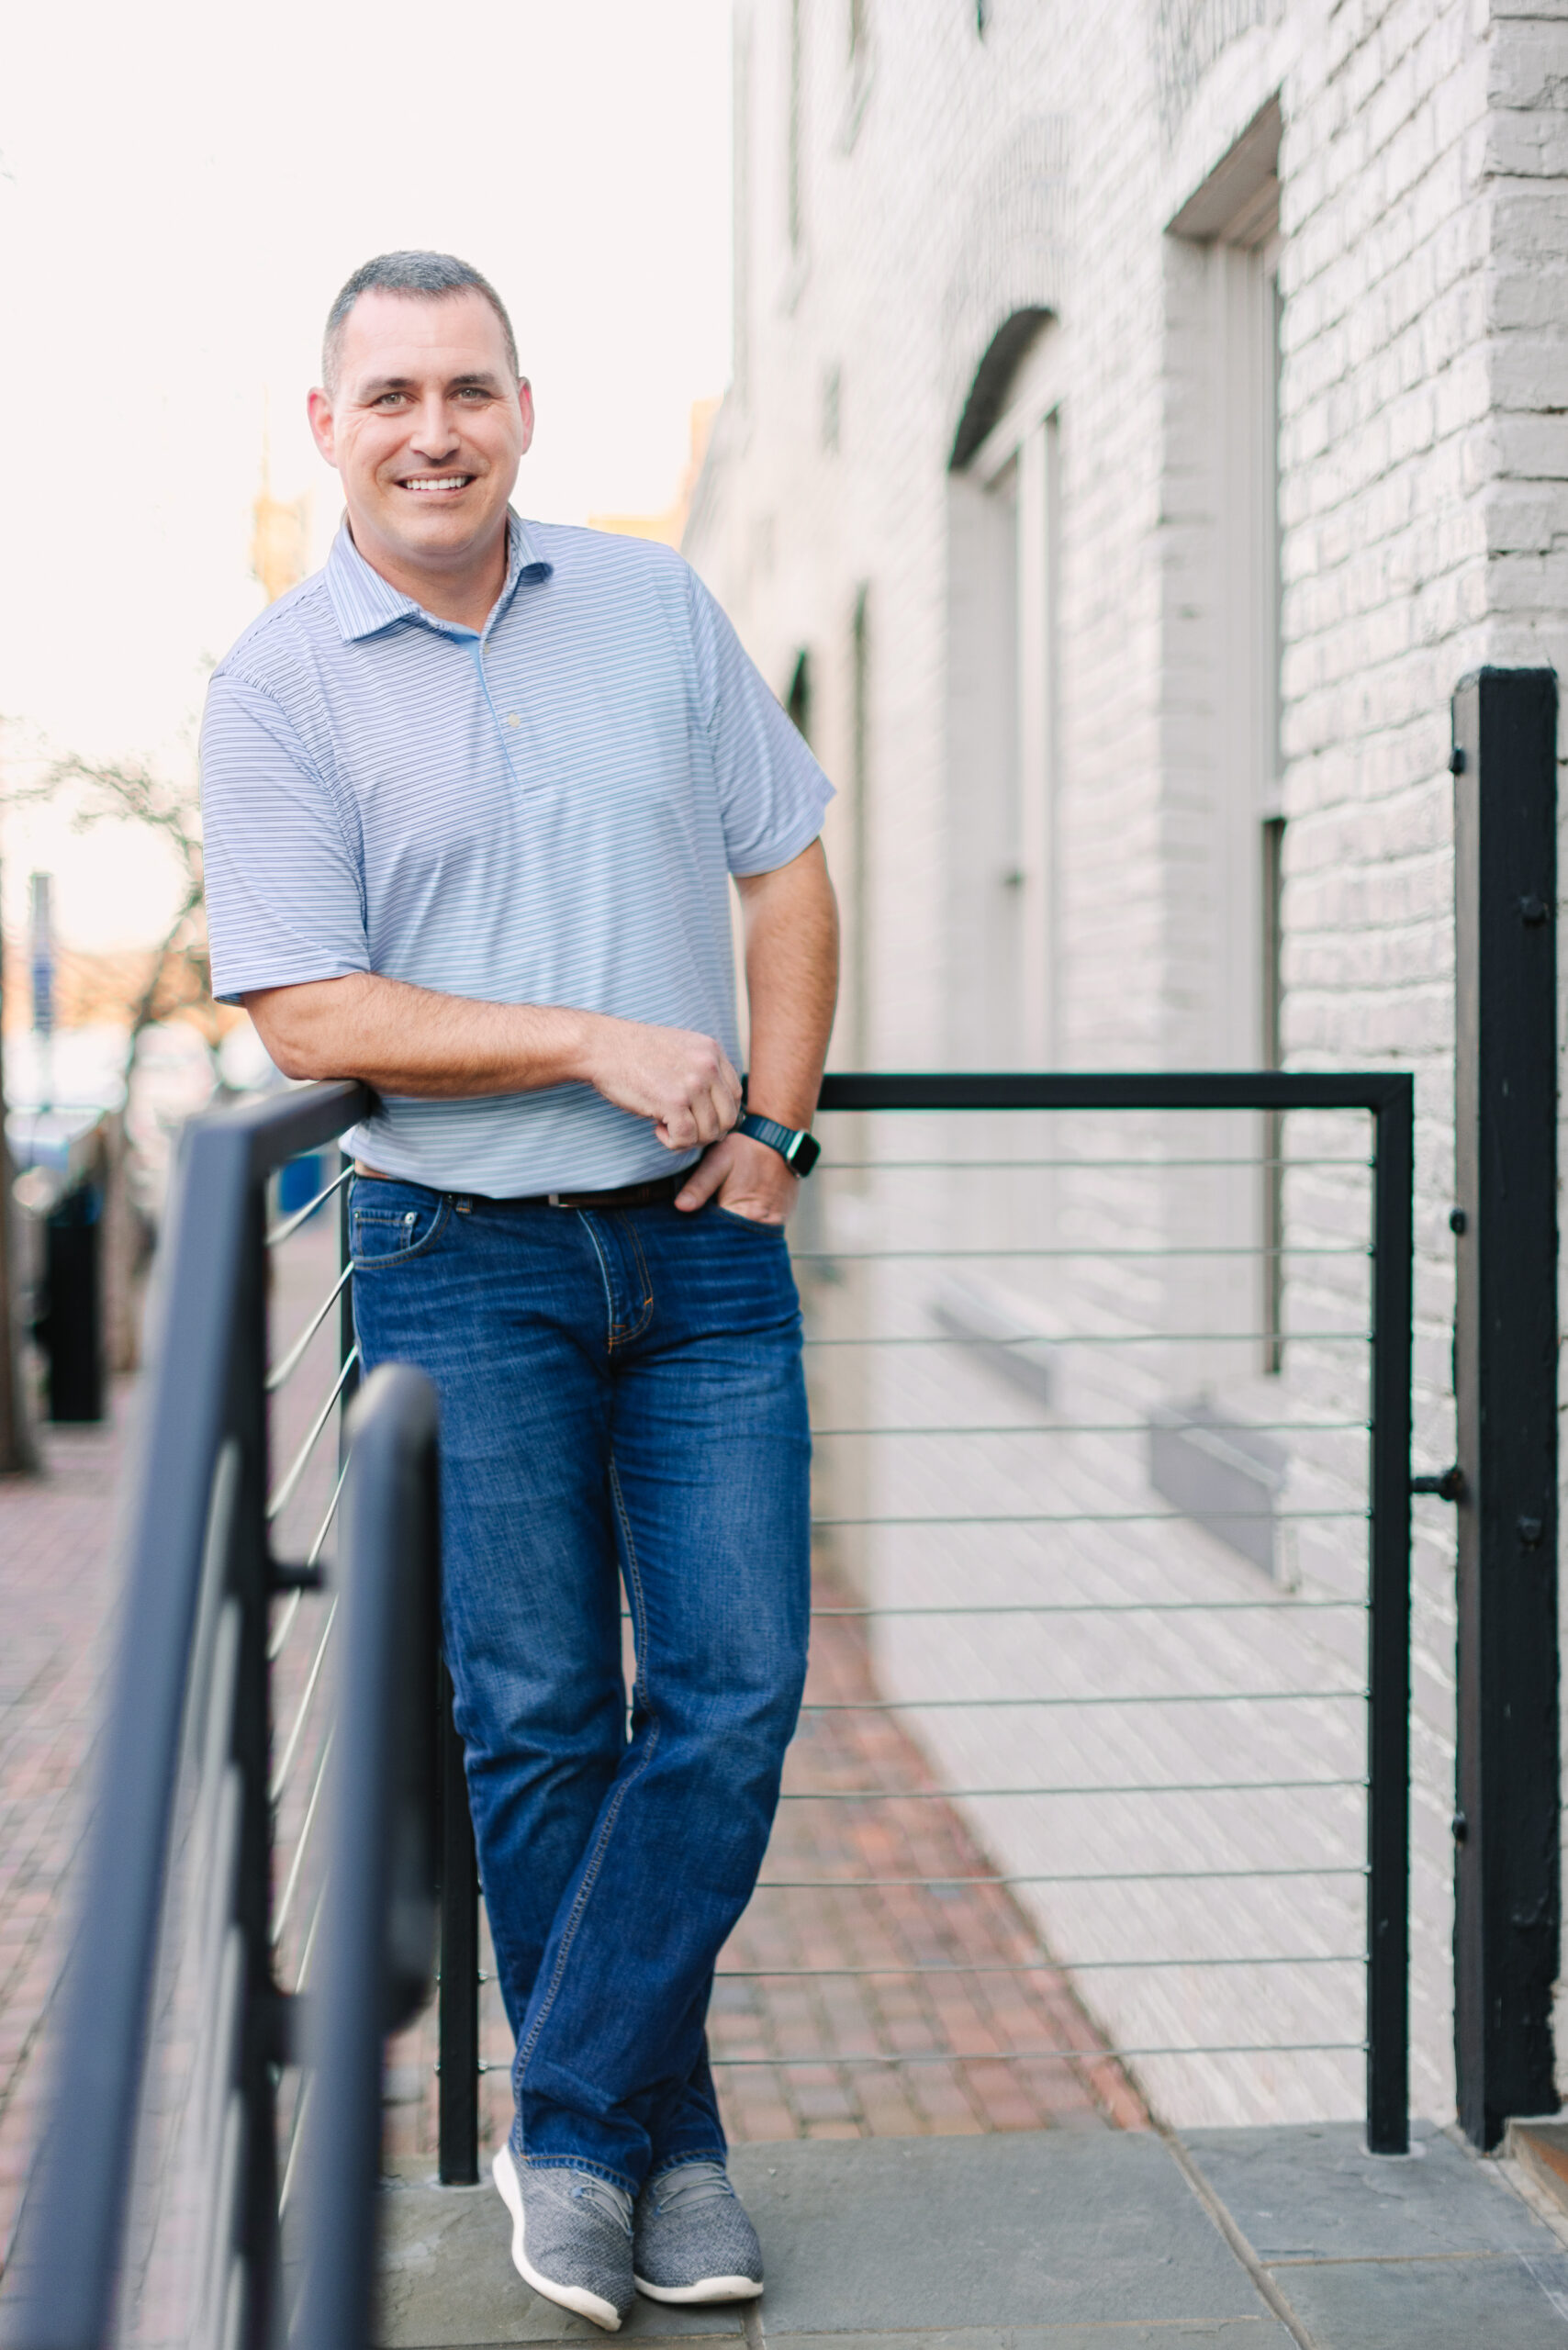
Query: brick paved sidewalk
{"points": [[55, 1635], [792, 2030], [956, 2029]]}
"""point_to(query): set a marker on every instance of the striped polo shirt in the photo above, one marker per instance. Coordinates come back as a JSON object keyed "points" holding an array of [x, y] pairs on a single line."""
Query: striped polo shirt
{"points": [[543, 812]]}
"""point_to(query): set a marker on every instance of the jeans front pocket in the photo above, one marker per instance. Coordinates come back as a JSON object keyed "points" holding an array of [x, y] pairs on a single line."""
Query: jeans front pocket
{"points": [[751, 1222], [391, 1229]]}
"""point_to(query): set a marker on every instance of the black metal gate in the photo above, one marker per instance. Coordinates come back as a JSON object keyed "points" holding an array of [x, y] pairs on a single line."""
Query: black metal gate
{"points": [[1388, 1099]]}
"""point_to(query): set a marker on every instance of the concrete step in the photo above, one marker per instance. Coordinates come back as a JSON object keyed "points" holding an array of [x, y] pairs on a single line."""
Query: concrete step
{"points": [[1052, 2240]]}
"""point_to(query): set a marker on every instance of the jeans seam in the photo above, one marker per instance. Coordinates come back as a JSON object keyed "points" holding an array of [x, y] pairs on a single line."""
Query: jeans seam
{"points": [[591, 1878], [648, 1314], [612, 1327], [590, 1875]]}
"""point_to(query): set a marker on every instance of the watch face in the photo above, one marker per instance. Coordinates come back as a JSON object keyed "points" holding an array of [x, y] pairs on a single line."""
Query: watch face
{"points": [[805, 1154]]}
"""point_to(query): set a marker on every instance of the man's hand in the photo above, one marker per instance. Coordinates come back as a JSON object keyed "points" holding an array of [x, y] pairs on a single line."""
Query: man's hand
{"points": [[681, 1080], [749, 1178]]}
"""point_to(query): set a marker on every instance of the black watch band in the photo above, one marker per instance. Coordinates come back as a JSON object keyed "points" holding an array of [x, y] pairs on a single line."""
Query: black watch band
{"points": [[796, 1146]]}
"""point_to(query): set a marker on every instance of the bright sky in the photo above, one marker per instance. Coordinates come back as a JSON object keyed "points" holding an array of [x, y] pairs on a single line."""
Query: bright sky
{"points": [[183, 189]]}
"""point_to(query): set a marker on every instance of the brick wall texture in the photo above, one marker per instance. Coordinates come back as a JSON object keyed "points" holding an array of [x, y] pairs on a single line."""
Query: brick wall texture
{"points": [[949, 178]]}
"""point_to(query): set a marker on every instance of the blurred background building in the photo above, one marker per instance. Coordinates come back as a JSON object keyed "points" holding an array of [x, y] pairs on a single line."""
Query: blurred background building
{"points": [[1142, 417]]}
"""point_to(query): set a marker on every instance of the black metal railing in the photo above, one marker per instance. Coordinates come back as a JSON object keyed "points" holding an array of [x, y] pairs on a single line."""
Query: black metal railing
{"points": [[377, 1942], [180, 2107], [1507, 1812], [218, 1754]]}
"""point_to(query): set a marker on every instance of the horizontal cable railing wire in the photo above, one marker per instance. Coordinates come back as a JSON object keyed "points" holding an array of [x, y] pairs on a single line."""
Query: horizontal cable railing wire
{"points": [[1108, 1787]]}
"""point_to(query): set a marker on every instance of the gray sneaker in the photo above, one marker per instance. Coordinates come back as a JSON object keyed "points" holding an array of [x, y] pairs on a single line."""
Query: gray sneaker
{"points": [[694, 2241], [571, 2236]]}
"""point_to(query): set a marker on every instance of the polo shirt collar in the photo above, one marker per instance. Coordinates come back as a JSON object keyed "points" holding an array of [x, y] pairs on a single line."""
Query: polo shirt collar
{"points": [[364, 603]]}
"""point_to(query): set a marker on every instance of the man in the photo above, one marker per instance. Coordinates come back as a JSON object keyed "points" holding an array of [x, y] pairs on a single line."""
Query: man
{"points": [[473, 797]]}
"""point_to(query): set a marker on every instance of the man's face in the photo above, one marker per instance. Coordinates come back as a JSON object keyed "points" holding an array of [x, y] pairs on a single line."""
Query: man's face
{"points": [[427, 427]]}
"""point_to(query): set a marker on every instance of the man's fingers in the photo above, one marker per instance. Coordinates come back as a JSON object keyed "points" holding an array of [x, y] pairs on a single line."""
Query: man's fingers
{"points": [[730, 1103], [700, 1184]]}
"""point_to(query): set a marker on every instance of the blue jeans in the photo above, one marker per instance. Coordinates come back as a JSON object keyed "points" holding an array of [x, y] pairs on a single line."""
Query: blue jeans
{"points": [[622, 1403]]}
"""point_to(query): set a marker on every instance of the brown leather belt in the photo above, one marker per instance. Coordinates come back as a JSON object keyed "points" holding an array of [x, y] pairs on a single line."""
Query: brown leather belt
{"points": [[657, 1193]]}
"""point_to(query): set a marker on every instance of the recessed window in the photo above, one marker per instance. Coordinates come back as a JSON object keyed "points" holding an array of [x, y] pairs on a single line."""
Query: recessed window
{"points": [[1004, 504]]}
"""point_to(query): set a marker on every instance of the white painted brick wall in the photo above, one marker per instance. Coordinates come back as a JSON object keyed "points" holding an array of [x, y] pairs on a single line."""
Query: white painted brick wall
{"points": [[1424, 403]]}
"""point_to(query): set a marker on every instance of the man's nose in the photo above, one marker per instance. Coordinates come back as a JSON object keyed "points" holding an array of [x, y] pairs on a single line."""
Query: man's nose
{"points": [[435, 430]]}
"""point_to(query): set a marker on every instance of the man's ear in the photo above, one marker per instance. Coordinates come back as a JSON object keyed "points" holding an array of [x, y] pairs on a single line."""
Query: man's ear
{"points": [[318, 409], [525, 406]]}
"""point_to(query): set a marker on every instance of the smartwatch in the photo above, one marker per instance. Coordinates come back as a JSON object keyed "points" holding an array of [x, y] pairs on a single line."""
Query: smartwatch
{"points": [[796, 1145]]}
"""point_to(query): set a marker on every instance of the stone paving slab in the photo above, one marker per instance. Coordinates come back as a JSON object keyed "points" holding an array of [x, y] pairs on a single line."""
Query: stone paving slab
{"points": [[1226, 2333], [1503, 2304], [1000, 2232], [1315, 2193], [1432, 2251], [1057, 2236]]}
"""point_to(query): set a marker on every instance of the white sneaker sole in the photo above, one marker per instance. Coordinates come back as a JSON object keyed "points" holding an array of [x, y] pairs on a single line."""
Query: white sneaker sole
{"points": [[576, 2297], [712, 2288]]}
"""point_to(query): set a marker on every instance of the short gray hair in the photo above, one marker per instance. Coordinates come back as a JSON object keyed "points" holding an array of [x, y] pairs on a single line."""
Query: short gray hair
{"points": [[428, 276]]}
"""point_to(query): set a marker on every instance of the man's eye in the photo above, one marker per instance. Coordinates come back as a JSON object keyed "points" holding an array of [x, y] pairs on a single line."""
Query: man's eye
{"points": [[391, 400]]}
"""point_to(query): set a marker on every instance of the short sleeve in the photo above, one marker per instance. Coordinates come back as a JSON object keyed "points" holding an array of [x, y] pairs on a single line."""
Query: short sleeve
{"points": [[285, 891], [772, 794]]}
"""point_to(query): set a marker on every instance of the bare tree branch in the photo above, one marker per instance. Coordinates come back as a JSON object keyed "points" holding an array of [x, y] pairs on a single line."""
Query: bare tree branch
{"points": [[131, 792]]}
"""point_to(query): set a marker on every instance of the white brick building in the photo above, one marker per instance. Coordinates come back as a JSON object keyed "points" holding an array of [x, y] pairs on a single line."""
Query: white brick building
{"points": [[1045, 314]]}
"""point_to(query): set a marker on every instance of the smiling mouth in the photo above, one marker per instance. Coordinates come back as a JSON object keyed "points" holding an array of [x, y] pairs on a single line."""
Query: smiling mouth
{"points": [[435, 485]]}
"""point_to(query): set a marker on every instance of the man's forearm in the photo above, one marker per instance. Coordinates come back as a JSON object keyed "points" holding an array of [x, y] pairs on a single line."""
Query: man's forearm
{"points": [[413, 1041], [409, 1040], [792, 969]]}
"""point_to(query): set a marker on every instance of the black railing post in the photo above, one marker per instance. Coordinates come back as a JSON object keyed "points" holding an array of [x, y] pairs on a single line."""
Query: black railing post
{"points": [[378, 1912], [458, 2025], [250, 1569], [1508, 1895], [1388, 1630]]}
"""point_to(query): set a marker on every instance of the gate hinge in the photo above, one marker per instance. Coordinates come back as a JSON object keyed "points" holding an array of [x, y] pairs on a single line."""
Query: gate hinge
{"points": [[1447, 1487]]}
